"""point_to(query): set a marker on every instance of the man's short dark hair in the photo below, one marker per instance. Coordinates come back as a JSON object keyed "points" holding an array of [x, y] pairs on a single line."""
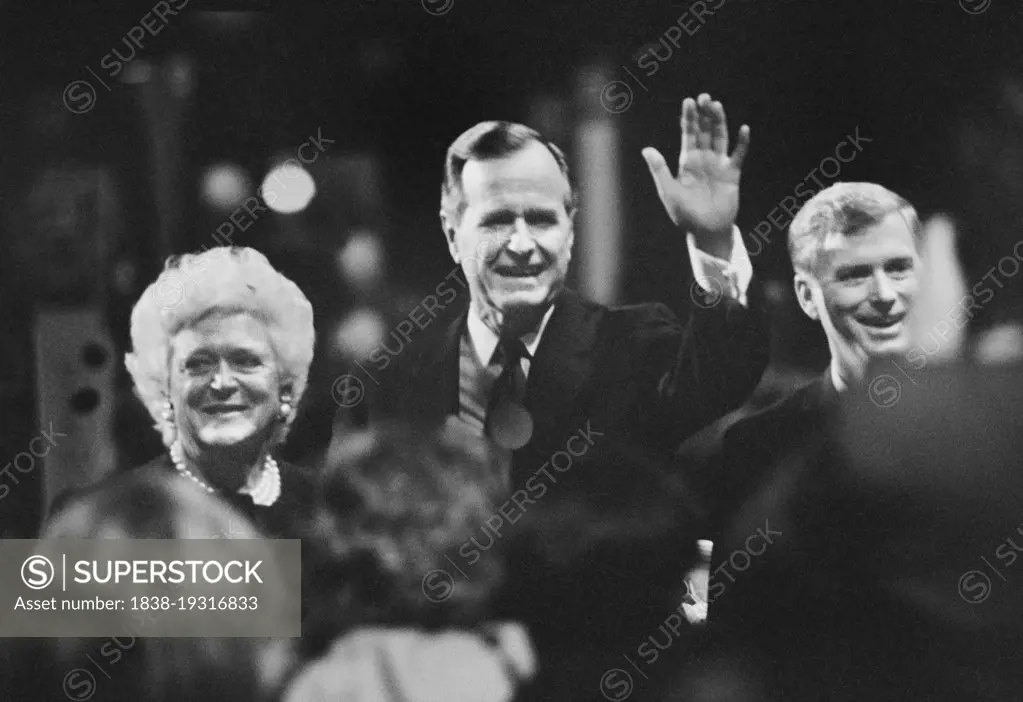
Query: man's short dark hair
{"points": [[844, 209], [487, 141]]}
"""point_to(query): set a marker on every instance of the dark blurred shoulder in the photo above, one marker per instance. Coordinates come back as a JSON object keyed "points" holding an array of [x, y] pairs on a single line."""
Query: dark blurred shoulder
{"points": [[947, 429], [160, 465]]}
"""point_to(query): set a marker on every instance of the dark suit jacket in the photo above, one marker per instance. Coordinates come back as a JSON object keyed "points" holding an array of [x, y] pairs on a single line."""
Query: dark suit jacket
{"points": [[751, 450], [601, 538], [634, 374], [751, 453], [752, 446], [897, 572]]}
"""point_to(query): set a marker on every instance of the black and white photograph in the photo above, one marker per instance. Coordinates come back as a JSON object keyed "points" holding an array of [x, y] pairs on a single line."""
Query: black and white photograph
{"points": [[511, 351]]}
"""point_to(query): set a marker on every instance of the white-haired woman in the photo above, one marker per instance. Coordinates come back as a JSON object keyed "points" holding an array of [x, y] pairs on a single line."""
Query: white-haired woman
{"points": [[222, 344]]}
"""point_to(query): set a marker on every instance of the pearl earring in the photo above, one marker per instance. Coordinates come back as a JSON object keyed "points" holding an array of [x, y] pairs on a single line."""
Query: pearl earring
{"points": [[285, 406], [169, 429]]}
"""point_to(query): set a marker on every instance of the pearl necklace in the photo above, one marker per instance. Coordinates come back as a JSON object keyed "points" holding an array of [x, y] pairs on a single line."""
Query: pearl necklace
{"points": [[263, 486]]}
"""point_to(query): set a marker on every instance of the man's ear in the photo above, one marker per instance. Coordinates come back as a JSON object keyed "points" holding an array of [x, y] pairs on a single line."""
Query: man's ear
{"points": [[804, 294], [570, 245], [449, 225]]}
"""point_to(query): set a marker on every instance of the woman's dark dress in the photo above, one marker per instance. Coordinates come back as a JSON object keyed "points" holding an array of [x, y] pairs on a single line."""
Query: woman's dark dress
{"points": [[284, 519]]}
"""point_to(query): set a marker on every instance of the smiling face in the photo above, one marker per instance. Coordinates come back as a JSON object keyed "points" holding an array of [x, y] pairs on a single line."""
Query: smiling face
{"points": [[514, 238], [862, 289], [225, 385]]}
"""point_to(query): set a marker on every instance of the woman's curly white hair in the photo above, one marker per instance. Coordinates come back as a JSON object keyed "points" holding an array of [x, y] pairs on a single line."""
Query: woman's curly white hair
{"points": [[221, 279]]}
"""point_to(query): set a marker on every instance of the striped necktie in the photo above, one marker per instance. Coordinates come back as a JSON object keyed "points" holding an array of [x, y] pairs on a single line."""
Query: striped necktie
{"points": [[508, 422]]}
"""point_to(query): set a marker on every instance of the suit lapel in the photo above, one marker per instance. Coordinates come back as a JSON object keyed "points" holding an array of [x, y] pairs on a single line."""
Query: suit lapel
{"points": [[437, 375], [563, 362], [785, 419], [558, 372]]}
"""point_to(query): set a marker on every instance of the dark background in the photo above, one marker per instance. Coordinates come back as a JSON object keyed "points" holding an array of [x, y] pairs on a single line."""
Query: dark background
{"points": [[396, 82]]}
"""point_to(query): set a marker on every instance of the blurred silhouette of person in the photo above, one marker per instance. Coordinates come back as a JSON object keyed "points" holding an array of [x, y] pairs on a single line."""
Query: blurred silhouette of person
{"points": [[596, 573], [388, 621], [530, 363], [222, 344], [150, 506]]}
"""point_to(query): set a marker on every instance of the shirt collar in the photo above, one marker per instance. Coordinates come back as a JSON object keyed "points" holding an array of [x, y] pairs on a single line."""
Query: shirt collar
{"points": [[484, 341]]}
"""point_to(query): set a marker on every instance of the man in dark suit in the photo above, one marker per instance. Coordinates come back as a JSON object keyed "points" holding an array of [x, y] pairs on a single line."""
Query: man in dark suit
{"points": [[893, 571], [854, 249], [563, 383], [589, 402]]}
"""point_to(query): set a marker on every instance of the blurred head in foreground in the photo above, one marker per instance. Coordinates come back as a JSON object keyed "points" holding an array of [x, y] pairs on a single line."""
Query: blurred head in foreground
{"points": [[157, 669], [399, 502]]}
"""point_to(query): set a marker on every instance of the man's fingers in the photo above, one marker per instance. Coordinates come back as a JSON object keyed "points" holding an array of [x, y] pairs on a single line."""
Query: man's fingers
{"points": [[690, 121], [658, 168], [704, 138], [719, 128], [661, 175], [741, 147]]}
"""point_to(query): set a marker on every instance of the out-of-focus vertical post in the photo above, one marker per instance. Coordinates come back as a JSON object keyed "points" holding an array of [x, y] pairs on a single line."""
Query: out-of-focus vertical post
{"points": [[597, 145], [164, 92]]}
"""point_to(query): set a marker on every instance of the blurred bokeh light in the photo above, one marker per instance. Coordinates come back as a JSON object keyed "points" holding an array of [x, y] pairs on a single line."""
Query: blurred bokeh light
{"points": [[288, 188]]}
